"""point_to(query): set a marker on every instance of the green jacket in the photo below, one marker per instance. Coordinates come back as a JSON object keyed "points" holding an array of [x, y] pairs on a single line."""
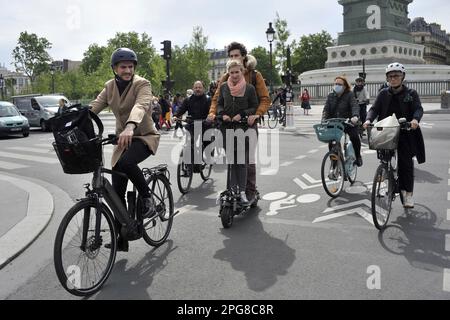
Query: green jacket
{"points": [[232, 106]]}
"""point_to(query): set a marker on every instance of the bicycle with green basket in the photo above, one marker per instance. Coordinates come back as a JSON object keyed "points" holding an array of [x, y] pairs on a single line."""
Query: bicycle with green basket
{"points": [[339, 164]]}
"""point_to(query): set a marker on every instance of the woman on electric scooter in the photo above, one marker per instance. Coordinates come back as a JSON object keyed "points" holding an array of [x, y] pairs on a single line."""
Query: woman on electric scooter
{"points": [[237, 100]]}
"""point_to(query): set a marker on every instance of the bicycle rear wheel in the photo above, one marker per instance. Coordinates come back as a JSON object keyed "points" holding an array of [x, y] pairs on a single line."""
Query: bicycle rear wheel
{"points": [[272, 120], [157, 230], [82, 270], [332, 174], [382, 195], [184, 175]]}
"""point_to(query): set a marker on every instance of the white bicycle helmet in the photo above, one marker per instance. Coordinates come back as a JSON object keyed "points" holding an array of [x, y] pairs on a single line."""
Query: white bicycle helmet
{"points": [[396, 67]]}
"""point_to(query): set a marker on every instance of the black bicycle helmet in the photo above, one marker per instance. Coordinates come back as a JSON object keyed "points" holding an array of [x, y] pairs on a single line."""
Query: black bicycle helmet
{"points": [[123, 54]]}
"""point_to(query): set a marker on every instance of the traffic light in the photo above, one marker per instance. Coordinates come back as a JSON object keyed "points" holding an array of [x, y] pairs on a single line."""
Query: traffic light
{"points": [[167, 49]]}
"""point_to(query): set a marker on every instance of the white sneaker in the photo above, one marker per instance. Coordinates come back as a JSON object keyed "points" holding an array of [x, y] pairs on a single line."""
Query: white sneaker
{"points": [[244, 200], [408, 200]]}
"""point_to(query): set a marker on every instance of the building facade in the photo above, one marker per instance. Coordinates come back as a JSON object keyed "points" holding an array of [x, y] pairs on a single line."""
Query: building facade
{"points": [[14, 82], [435, 40], [218, 61]]}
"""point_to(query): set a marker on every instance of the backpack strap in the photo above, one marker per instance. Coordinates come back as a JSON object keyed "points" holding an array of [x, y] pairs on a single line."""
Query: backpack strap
{"points": [[97, 121]]}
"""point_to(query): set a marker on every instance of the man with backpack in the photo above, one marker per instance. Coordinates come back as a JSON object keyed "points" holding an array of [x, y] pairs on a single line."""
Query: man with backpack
{"points": [[237, 51]]}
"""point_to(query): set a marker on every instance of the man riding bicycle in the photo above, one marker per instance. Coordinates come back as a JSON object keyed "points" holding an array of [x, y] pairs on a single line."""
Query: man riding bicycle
{"points": [[398, 99], [129, 97], [197, 107]]}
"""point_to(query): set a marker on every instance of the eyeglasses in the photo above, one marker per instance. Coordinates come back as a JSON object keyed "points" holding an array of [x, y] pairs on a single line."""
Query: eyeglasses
{"points": [[394, 76]]}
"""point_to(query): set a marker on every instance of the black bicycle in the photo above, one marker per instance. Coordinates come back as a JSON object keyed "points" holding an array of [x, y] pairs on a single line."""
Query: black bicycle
{"points": [[82, 260], [385, 187], [276, 114], [186, 168]]}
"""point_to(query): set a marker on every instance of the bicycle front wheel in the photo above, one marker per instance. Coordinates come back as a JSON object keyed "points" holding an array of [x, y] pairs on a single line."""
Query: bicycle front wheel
{"points": [[157, 230], [382, 195], [82, 263], [332, 174], [184, 175]]}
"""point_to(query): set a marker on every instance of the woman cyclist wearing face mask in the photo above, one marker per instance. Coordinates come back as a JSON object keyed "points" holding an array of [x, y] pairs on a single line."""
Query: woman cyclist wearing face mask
{"points": [[341, 103]]}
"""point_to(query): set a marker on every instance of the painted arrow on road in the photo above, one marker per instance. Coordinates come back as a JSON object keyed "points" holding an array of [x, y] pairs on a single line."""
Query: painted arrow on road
{"points": [[314, 183], [358, 210]]}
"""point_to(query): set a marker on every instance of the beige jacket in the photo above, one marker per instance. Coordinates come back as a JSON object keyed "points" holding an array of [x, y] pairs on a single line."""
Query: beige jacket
{"points": [[133, 106]]}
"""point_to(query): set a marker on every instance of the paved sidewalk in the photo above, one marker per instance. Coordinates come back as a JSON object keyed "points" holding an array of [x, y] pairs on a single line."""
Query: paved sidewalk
{"points": [[26, 209]]}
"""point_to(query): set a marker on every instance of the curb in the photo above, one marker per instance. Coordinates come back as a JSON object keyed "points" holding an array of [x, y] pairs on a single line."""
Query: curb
{"points": [[438, 111], [39, 213]]}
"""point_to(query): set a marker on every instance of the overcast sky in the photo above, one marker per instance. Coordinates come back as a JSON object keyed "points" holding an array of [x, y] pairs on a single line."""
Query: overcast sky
{"points": [[72, 25]]}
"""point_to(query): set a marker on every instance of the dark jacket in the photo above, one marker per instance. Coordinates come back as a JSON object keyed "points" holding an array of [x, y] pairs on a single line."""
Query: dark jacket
{"points": [[408, 106], [196, 106], [232, 106], [344, 106]]}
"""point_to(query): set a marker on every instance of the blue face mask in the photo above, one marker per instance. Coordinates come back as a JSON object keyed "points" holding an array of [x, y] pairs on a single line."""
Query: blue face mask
{"points": [[338, 89]]}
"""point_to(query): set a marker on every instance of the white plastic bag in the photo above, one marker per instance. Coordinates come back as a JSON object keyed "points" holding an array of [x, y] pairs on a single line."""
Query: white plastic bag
{"points": [[384, 134]]}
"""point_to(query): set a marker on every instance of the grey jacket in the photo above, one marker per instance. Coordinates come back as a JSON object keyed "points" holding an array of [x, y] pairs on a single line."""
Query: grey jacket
{"points": [[232, 106], [344, 106]]}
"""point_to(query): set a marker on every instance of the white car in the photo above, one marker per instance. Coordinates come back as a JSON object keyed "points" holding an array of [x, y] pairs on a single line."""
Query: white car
{"points": [[11, 121]]}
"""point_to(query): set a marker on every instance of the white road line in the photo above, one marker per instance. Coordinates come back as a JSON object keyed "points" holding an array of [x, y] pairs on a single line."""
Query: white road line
{"points": [[448, 214], [449, 182], [447, 243], [270, 172], [29, 158], [35, 150], [446, 286], [11, 166], [448, 196], [286, 164], [313, 151]]}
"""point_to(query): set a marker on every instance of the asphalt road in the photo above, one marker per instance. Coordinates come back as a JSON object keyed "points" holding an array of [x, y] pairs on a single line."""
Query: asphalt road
{"points": [[298, 244]]}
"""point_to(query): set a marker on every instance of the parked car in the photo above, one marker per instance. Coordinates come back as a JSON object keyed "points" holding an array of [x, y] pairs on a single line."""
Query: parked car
{"points": [[39, 109], [11, 121]]}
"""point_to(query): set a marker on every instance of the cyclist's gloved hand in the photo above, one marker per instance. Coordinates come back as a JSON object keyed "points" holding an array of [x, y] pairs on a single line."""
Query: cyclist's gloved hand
{"points": [[211, 117], [366, 124], [414, 124], [237, 118], [354, 120]]}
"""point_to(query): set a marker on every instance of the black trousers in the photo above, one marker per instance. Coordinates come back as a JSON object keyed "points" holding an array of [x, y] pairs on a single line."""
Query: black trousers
{"points": [[128, 164], [405, 155], [363, 112]]}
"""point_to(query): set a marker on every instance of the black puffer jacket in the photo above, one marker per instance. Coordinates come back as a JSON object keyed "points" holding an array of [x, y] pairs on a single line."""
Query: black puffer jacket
{"points": [[405, 104], [196, 106], [344, 106]]}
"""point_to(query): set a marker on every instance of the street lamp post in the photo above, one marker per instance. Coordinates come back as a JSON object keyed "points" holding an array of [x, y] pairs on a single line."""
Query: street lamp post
{"points": [[270, 33], [52, 72], [2, 84]]}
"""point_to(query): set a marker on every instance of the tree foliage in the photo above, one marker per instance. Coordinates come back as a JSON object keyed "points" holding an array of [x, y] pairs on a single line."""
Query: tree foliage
{"points": [[311, 53], [31, 56]]}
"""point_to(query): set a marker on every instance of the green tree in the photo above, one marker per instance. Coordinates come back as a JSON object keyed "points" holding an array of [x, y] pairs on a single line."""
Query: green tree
{"points": [[93, 58], [281, 37], [191, 62], [311, 53], [31, 56], [263, 59]]}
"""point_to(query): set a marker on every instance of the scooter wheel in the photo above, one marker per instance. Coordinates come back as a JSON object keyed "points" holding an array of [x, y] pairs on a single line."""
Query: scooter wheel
{"points": [[226, 215]]}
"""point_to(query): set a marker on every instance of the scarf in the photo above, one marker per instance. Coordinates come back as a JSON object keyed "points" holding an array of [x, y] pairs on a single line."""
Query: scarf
{"points": [[237, 90]]}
